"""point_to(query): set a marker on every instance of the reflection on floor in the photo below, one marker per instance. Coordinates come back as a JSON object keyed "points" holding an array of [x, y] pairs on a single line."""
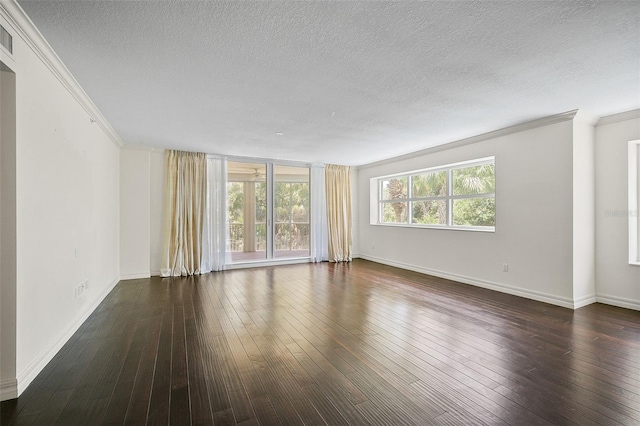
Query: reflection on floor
{"points": [[252, 256], [355, 343]]}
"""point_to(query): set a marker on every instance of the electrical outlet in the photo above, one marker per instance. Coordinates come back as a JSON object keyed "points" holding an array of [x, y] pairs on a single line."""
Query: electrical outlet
{"points": [[505, 267], [81, 288]]}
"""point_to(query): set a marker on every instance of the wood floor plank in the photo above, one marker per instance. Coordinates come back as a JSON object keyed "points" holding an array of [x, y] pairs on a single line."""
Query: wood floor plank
{"points": [[159, 403], [336, 344], [180, 407], [330, 413], [232, 374], [201, 413], [265, 413], [138, 407], [121, 395]]}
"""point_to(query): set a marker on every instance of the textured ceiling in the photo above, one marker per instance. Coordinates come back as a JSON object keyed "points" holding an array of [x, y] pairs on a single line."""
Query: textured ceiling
{"points": [[345, 82]]}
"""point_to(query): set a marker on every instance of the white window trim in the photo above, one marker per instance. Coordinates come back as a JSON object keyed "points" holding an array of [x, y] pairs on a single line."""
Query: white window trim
{"points": [[634, 203], [376, 191]]}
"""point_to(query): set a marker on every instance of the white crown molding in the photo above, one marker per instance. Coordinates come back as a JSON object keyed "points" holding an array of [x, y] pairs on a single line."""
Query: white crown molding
{"points": [[586, 117], [25, 29], [541, 122], [143, 148], [616, 118]]}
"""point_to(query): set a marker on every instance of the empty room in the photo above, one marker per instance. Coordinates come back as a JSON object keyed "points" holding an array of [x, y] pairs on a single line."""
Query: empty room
{"points": [[319, 212]]}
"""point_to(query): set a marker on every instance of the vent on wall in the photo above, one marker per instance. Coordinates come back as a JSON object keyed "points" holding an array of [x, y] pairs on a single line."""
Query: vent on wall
{"points": [[6, 40]]}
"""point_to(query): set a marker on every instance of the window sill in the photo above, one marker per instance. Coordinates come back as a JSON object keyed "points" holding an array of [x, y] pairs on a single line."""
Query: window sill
{"points": [[489, 229]]}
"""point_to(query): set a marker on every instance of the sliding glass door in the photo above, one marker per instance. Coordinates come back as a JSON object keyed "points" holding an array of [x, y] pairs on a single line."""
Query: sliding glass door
{"points": [[267, 211], [292, 230], [247, 211]]}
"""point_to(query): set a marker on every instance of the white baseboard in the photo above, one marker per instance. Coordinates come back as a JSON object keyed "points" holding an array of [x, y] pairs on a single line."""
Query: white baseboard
{"points": [[41, 361], [135, 276], [8, 389], [620, 302], [584, 301], [565, 302]]}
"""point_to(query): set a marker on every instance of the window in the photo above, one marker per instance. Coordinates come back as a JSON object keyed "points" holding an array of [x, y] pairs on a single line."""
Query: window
{"points": [[460, 196], [634, 202]]}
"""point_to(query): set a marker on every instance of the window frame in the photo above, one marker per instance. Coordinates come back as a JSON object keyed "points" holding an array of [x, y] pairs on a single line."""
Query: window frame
{"points": [[450, 197]]}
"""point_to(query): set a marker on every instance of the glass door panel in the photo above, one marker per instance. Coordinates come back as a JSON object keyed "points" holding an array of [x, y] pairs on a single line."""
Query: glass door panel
{"points": [[291, 212], [247, 211]]}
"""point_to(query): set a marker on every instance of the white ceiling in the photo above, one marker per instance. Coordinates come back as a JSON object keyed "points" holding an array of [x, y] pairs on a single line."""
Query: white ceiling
{"points": [[345, 82]]}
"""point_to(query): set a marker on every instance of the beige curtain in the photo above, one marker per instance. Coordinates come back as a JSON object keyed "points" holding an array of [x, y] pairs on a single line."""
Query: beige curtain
{"points": [[338, 189], [184, 213]]}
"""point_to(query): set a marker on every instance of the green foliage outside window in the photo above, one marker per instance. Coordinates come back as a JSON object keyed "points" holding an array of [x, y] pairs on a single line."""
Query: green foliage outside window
{"points": [[429, 197], [292, 216], [235, 211], [292, 229]]}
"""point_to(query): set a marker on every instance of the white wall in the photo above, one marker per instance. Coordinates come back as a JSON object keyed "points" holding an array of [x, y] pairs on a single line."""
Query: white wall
{"points": [[355, 212], [157, 209], [135, 213], [142, 209], [67, 203], [617, 282], [534, 223], [584, 281], [8, 261]]}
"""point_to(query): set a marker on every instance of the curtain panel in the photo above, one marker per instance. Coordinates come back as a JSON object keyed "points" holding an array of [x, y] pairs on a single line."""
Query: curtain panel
{"points": [[216, 253], [184, 213], [319, 231], [338, 189]]}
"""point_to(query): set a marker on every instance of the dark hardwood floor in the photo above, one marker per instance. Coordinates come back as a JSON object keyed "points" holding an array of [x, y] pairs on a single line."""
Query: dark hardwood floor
{"points": [[336, 344]]}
